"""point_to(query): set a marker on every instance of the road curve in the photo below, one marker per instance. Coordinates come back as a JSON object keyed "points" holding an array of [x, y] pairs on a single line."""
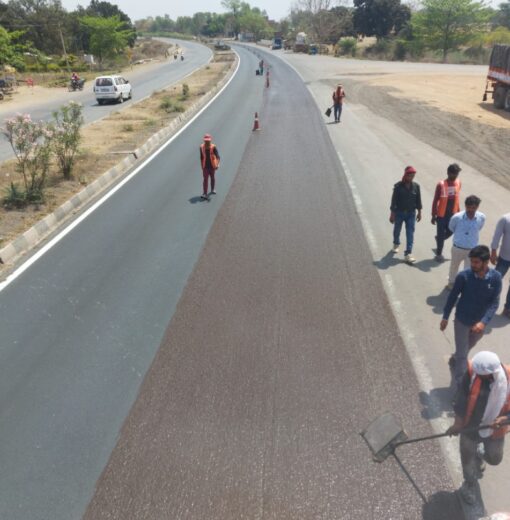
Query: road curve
{"points": [[144, 80], [80, 327], [282, 349]]}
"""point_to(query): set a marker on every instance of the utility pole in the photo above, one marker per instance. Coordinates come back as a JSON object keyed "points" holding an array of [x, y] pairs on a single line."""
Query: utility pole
{"points": [[64, 47]]}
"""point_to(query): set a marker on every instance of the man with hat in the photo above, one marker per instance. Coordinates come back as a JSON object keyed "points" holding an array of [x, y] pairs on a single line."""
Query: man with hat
{"points": [[405, 208], [483, 398], [210, 161], [338, 101]]}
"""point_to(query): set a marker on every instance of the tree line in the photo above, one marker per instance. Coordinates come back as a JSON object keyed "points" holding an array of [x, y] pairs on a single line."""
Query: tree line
{"points": [[39, 29]]}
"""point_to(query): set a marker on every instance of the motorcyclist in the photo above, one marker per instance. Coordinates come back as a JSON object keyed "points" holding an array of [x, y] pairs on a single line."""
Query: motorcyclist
{"points": [[75, 79]]}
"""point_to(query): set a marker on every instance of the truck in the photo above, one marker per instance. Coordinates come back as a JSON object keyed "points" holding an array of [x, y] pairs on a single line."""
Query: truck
{"points": [[498, 77], [277, 43]]}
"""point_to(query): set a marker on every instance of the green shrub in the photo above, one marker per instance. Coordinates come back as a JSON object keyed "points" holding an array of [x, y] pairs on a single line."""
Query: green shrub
{"points": [[185, 91], [400, 50], [14, 197], [178, 108], [347, 46], [166, 104], [128, 128], [52, 67]]}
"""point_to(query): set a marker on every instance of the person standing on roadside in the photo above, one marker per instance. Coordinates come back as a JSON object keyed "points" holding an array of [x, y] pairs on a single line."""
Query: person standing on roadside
{"points": [[483, 398], [338, 101], [261, 67], [405, 209], [444, 205], [210, 161], [465, 227], [502, 261], [479, 288]]}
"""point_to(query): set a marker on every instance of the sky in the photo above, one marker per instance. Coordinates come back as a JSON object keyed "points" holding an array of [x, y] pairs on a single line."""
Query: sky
{"points": [[136, 9]]}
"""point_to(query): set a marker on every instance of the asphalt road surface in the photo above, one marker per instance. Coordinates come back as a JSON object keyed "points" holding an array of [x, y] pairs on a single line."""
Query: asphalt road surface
{"points": [[144, 81], [283, 347], [81, 326]]}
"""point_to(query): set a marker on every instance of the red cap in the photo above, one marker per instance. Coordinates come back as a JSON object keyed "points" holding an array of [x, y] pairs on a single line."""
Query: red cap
{"points": [[409, 169], [207, 137]]}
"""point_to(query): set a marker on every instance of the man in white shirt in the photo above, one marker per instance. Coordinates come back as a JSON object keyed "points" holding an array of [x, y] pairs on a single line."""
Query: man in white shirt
{"points": [[465, 226]]}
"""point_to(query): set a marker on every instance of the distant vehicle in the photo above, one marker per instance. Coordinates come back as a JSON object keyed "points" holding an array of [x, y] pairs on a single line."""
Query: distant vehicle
{"points": [[277, 44], [220, 45], [75, 84], [499, 77], [112, 88]]}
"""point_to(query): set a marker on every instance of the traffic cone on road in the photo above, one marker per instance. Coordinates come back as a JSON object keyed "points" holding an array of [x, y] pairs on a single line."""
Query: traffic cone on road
{"points": [[256, 125]]}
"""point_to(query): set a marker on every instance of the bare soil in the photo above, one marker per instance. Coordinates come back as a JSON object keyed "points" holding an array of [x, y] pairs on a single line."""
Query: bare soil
{"points": [[445, 111], [129, 128]]}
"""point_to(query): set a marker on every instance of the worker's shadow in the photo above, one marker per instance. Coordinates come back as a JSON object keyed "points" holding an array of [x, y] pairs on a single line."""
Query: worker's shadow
{"points": [[438, 301], [498, 322], [443, 505], [388, 260], [426, 265], [195, 200], [437, 402]]}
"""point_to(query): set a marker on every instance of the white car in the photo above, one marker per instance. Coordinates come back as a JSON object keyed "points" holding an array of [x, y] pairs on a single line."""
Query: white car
{"points": [[108, 88]]}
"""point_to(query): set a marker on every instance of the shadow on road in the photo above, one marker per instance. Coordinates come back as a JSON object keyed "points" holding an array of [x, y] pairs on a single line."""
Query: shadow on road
{"points": [[387, 261], [443, 505], [194, 200], [437, 301], [438, 401]]}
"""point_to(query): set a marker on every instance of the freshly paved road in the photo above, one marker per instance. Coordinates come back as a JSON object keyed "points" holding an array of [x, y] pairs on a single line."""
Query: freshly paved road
{"points": [[81, 326], [282, 348], [374, 151], [145, 81]]}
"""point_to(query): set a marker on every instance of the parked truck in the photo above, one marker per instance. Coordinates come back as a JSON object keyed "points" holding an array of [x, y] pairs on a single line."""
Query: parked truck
{"points": [[498, 77]]}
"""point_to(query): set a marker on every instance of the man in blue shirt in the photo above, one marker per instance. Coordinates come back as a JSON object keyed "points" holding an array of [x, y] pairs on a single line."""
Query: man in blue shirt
{"points": [[479, 289], [465, 226]]}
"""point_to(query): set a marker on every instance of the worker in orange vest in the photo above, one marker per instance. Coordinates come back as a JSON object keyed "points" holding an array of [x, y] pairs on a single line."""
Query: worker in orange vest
{"points": [[483, 398], [445, 204], [210, 161]]}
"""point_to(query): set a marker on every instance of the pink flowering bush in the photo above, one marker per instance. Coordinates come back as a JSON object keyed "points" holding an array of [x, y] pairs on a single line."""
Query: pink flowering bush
{"points": [[31, 143], [65, 135]]}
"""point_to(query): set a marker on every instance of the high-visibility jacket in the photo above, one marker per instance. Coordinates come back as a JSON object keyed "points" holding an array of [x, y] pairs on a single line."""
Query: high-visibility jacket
{"points": [[443, 198], [474, 392], [212, 155]]}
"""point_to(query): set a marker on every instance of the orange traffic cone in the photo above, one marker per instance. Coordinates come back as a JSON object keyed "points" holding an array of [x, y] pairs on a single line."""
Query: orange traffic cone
{"points": [[256, 125]]}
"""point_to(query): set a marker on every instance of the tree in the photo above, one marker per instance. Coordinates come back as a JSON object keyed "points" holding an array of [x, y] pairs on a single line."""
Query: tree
{"points": [[444, 25], [502, 16], [107, 36], [379, 17], [234, 9], [11, 52]]}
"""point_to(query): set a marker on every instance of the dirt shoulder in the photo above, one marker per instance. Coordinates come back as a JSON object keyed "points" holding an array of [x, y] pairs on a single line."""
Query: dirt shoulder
{"points": [[444, 110], [127, 129]]}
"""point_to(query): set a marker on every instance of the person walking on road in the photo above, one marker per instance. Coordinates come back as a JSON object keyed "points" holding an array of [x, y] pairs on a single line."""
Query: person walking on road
{"points": [[502, 261], [405, 209], [210, 161], [261, 67], [444, 205], [479, 288], [465, 227], [483, 398], [338, 101]]}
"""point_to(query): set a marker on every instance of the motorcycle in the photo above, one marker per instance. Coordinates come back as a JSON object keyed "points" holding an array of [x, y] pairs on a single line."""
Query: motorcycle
{"points": [[76, 85]]}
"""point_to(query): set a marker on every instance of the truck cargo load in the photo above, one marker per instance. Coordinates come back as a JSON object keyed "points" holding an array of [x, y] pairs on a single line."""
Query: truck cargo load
{"points": [[499, 76]]}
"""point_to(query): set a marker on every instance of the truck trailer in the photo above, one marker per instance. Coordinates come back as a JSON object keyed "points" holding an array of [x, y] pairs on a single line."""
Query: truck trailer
{"points": [[498, 77]]}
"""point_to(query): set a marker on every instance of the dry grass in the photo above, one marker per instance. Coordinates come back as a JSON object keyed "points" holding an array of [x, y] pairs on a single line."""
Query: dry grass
{"points": [[126, 130]]}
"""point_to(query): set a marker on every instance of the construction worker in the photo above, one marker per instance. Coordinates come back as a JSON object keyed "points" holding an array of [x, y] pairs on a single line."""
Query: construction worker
{"points": [[444, 205], [338, 101], [483, 398], [210, 161]]}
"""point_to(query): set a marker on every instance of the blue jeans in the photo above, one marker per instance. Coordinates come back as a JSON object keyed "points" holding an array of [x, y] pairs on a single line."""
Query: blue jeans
{"points": [[409, 218], [502, 267], [443, 232], [338, 111]]}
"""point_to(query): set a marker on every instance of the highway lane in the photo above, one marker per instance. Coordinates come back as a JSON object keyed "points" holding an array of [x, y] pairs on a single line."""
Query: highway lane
{"points": [[145, 81], [281, 350], [375, 150], [80, 327]]}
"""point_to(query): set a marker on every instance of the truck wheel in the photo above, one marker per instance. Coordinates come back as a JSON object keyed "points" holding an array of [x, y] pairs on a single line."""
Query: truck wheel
{"points": [[507, 100], [499, 97]]}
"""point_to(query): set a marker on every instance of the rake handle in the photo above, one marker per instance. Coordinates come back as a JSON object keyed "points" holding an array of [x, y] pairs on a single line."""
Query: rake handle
{"points": [[446, 434]]}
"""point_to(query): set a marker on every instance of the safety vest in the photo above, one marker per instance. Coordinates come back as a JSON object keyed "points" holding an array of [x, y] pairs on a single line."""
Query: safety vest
{"points": [[474, 392], [443, 197], [214, 159]]}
